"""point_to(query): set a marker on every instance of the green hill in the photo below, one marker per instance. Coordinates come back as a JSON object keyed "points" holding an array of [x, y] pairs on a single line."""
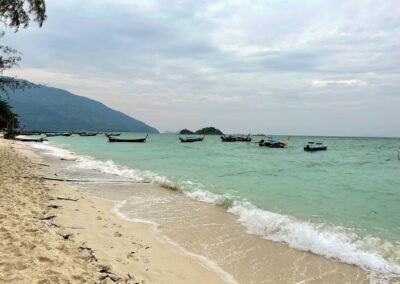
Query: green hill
{"points": [[186, 132], [209, 131], [205, 130], [51, 109]]}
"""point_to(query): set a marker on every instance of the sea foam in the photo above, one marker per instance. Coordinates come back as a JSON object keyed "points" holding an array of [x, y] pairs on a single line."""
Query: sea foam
{"points": [[332, 242]]}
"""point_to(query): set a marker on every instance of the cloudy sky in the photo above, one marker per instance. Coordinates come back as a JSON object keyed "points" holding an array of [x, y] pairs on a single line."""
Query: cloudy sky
{"points": [[276, 67]]}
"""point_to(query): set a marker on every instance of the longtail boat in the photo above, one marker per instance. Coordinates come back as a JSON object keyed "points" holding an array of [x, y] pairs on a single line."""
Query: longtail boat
{"points": [[141, 140], [39, 140], [112, 134], [231, 138], [192, 139], [273, 143], [67, 134], [88, 134], [30, 133], [315, 146], [53, 134]]}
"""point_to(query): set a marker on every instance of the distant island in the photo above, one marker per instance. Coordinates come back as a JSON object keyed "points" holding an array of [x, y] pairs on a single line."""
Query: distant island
{"points": [[205, 130], [51, 109]]}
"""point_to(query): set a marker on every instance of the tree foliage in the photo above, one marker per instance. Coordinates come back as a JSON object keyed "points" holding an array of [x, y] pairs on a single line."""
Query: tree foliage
{"points": [[8, 119], [17, 13], [9, 57]]}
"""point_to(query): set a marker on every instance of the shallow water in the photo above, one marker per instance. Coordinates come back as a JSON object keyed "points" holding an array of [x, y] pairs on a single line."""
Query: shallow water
{"points": [[342, 203]]}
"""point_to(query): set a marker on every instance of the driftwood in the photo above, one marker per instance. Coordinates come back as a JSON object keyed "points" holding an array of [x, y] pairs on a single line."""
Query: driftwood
{"points": [[66, 237], [108, 276], [62, 198], [91, 253], [105, 269], [46, 218], [88, 180], [54, 225], [55, 206]]}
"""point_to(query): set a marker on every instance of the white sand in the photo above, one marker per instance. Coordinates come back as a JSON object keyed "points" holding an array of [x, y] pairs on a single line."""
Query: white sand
{"points": [[35, 251]]}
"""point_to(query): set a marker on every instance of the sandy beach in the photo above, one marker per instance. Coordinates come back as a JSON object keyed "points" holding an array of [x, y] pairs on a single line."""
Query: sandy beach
{"points": [[65, 231], [51, 233]]}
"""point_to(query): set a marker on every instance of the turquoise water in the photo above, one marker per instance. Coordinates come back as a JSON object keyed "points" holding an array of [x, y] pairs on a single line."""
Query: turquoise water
{"points": [[353, 187]]}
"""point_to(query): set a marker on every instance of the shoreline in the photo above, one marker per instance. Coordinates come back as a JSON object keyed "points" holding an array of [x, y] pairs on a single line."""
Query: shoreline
{"points": [[124, 250], [306, 265]]}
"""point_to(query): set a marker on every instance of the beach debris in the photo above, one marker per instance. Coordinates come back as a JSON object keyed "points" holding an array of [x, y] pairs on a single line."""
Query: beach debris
{"points": [[45, 165], [45, 218], [64, 159], [93, 181], [128, 280], [66, 237], [54, 225], [108, 276], [63, 179], [106, 270], [68, 199], [91, 253], [55, 206], [170, 187]]}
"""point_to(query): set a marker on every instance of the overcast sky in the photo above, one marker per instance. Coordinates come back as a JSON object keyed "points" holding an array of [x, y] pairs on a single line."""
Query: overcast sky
{"points": [[276, 67]]}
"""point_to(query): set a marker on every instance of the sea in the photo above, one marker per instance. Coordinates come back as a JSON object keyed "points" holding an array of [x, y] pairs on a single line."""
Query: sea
{"points": [[341, 205]]}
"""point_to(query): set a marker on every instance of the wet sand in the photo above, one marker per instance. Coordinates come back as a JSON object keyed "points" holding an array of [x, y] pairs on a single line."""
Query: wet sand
{"points": [[51, 233]]}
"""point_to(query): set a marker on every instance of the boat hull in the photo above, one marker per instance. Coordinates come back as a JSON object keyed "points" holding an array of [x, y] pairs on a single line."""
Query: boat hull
{"points": [[272, 145], [323, 148], [31, 140], [190, 140], [235, 139], [141, 140], [90, 134]]}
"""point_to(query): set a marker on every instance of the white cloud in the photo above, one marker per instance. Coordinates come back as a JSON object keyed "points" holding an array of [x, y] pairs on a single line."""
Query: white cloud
{"points": [[324, 83], [206, 60], [225, 99]]}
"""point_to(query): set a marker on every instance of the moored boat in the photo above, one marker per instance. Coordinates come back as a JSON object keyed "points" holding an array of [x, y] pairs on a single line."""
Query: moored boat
{"points": [[88, 134], [30, 133], [141, 140], [232, 138], [112, 134], [273, 143], [53, 134], [192, 139], [315, 146], [39, 140]]}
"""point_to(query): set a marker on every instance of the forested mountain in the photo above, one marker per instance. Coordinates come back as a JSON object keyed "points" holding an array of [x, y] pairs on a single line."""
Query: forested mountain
{"points": [[51, 109]]}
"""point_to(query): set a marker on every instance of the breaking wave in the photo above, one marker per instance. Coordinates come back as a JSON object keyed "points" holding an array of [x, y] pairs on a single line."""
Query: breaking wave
{"points": [[336, 243]]}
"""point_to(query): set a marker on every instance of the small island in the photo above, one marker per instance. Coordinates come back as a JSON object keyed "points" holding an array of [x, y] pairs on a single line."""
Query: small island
{"points": [[186, 132], [205, 130]]}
